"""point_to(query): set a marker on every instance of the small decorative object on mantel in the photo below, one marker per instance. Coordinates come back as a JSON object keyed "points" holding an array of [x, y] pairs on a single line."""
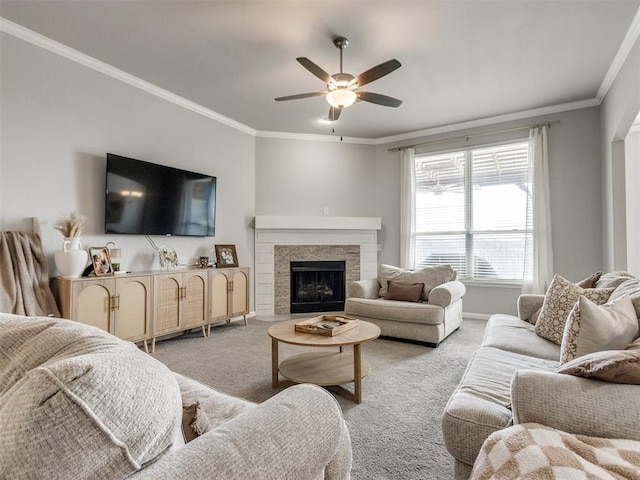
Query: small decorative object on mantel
{"points": [[71, 260], [226, 256], [167, 256], [327, 325], [101, 261]]}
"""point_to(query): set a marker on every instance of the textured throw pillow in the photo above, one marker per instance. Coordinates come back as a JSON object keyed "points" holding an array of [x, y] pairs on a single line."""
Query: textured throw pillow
{"points": [[593, 328], [589, 282], [616, 366], [404, 293], [559, 300], [613, 279], [194, 422], [430, 276]]}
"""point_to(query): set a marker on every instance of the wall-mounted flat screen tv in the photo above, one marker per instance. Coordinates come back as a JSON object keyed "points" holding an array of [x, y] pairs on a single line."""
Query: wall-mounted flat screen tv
{"points": [[144, 198]]}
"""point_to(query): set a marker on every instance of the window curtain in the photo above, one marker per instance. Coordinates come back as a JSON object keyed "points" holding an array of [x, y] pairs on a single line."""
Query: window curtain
{"points": [[538, 252], [408, 209]]}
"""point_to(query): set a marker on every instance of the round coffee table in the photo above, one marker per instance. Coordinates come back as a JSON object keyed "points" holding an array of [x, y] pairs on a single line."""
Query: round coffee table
{"points": [[325, 368]]}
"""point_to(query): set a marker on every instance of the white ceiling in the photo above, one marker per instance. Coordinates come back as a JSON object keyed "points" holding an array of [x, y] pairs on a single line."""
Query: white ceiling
{"points": [[461, 60]]}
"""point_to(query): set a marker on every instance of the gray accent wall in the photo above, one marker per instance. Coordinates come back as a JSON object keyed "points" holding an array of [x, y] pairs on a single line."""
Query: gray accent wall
{"points": [[59, 119]]}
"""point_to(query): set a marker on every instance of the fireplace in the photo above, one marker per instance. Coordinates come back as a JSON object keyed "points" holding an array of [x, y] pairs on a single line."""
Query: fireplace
{"points": [[317, 286]]}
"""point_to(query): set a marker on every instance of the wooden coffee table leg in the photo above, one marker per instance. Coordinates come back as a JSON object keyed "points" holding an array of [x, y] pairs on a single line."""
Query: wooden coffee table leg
{"points": [[274, 363], [357, 374]]}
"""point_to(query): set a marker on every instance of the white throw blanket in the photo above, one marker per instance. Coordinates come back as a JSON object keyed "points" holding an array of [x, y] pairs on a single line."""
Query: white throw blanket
{"points": [[537, 452]]}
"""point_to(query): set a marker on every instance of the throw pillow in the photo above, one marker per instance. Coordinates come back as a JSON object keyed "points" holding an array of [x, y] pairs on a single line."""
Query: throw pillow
{"points": [[404, 293], [560, 298], [613, 279], [194, 422], [635, 345], [589, 282], [616, 366], [430, 276], [629, 287], [592, 328]]}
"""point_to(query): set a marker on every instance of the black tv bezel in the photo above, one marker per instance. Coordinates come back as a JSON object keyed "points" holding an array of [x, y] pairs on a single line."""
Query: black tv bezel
{"points": [[160, 166]]}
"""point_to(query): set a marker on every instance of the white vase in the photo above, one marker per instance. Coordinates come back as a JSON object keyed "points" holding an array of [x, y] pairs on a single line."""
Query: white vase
{"points": [[71, 260]]}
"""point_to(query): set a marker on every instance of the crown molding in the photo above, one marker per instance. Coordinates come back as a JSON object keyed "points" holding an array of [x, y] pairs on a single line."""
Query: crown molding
{"points": [[623, 52], [482, 122], [46, 43], [74, 55], [315, 138]]}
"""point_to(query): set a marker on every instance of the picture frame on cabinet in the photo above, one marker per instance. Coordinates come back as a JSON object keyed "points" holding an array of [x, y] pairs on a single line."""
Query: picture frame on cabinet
{"points": [[226, 256], [101, 261]]}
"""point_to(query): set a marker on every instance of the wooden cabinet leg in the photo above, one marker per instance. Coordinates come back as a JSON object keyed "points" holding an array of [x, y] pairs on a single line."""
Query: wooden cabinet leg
{"points": [[204, 332], [274, 363], [153, 345], [357, 374], [245, 320], [145, 345]]}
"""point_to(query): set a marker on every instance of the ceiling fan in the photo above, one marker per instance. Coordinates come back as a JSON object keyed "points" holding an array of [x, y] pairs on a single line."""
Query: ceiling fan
{"points": [[342, 88]]}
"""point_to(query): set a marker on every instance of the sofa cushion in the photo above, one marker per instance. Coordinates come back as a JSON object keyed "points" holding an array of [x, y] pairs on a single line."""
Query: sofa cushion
{"points": [[591, 328], [613, 279], [430, 276], [559, 299], [407, 312], [512, 334], [404, 293], [480, 404], [630, 287], [616, 366], [76, 399]]}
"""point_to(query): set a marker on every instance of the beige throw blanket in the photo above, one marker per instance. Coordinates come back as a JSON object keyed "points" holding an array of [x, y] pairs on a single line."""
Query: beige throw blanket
{"points": [[537, 452], [24, 276]]}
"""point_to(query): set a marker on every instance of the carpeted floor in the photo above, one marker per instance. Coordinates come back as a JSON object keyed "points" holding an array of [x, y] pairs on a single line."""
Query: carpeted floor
{"points": [[395, 431]]}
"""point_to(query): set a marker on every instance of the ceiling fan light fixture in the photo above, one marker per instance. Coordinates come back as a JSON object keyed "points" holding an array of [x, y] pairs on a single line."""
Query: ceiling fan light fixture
{"points": [[341, 98]]}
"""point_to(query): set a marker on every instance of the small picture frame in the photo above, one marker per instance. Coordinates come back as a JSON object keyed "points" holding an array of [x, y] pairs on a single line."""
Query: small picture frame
{"points": [[101, 261], [226, 256]]}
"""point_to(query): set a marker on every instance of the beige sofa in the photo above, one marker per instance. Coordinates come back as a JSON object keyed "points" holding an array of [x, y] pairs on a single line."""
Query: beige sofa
{"points": [[432, 318], [512, 379], [76, 402]]}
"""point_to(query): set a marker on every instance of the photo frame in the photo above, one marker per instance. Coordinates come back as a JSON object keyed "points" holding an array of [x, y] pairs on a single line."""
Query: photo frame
{"points": [[226, 256], [101, 261]]}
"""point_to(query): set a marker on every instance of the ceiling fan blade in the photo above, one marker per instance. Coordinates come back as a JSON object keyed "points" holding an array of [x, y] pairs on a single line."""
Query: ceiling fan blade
{"points": [[334, 114], [379, 99], [376, 72], [300, 95], [316, 70]]}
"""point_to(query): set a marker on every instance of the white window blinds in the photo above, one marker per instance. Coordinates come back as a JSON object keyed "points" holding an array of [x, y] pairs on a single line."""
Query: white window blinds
{"points": [[471, 211]]}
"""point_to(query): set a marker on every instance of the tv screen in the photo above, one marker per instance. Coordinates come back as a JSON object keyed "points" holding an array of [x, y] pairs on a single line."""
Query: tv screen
{"points": [[144, 198]]}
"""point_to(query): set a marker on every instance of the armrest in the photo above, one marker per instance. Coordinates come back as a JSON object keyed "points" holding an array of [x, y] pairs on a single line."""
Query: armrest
{"points": [[528, 304], [576, 405], [369, 288], [299, 433], [447, 293]]}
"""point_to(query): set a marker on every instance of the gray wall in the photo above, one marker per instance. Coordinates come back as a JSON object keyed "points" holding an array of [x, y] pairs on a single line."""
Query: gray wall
{"points": [[58, 121], [374, 177], [632, 177], [298, 177]]}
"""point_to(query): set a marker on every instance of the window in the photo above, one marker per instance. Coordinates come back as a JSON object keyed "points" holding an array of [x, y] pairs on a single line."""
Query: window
{"points": [[472, 211]]}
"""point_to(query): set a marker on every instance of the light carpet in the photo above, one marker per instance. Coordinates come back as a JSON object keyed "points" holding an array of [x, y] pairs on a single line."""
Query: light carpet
{"points": [[396, 430]]}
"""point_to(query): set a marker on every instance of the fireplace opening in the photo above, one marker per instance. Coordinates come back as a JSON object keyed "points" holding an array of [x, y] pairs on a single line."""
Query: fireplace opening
{"points": [[317, 286]]}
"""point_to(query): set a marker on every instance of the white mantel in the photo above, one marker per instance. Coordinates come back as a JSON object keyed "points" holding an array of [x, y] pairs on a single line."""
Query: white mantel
{"points": [[317, 223], [309, 230]]}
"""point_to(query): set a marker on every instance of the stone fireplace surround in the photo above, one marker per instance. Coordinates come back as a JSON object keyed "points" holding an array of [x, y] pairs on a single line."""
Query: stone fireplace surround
{"points": [[279, 239]]}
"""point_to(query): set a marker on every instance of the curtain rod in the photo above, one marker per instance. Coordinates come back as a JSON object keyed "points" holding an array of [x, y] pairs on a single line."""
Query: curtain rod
{"points": [[467, 137]]}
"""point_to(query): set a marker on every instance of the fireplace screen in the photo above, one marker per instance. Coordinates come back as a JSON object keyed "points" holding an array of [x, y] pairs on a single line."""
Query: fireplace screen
{"points": [[317, 286]]}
